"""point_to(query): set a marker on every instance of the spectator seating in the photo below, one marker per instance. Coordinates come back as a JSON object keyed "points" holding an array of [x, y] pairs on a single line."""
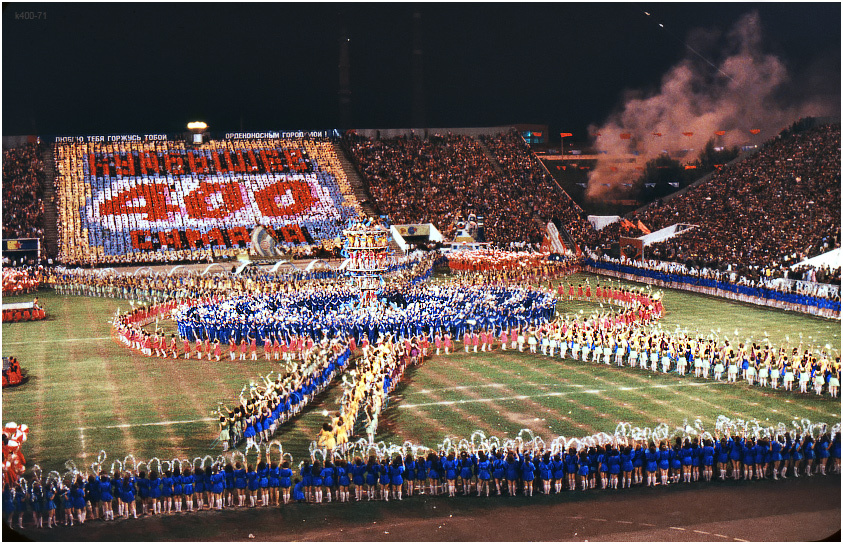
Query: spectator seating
{"points": [[23, 208], [163, 201], [767, 212], [443, 179]]}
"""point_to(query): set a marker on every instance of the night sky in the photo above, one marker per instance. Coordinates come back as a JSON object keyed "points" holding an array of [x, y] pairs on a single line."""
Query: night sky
{"points": [[116, 68]]}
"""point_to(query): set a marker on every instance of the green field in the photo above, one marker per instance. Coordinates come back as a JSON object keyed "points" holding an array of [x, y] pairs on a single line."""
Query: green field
{"points": [[87, 393]]}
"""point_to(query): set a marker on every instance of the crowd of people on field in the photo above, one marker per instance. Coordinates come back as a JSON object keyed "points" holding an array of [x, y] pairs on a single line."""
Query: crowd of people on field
{"points": [[23, 191], [12, 371], [520, 468], [22, 280]]}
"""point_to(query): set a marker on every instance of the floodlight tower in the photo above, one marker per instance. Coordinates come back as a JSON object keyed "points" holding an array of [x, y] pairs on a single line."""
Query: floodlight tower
{"points": [[198, 130], [345, 79]]}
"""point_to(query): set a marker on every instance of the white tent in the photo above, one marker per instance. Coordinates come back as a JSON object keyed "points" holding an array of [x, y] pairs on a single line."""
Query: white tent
{"points": [[601, 221], [830, 259]]}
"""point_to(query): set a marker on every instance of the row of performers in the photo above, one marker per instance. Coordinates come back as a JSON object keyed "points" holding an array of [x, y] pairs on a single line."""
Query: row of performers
{"points": [[340, 314]]}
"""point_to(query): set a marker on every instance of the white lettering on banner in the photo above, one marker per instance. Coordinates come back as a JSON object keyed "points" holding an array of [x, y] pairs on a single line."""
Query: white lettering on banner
{"points": [[251, 135], [159, 137], [125, 138], [242, 200], [96, 138]]}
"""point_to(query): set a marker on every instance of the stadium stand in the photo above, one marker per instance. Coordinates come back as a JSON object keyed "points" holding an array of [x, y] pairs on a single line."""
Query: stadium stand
{"points": [[164, 201], [443, 179], [538, 190], [23, 209], [762, 214]]}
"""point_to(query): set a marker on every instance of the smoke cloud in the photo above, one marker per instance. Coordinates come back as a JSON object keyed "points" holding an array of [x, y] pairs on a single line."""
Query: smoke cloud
{"points": [[694, 97]]}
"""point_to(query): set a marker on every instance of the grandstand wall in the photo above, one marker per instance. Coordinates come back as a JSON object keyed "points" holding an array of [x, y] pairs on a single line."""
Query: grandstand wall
{"points": [[474, 132]]}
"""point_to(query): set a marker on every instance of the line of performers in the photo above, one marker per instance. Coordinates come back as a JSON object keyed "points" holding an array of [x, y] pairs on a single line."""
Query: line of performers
{"points": [[618, 464]]}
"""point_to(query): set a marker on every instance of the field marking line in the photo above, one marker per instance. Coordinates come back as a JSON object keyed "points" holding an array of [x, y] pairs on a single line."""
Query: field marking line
{"points": [[155, 423], [599, 519], [678, 528], [481, 386], [622, 521], [57, 341], [82, 438], [467, 415], [550, 394], [740, 539], [721, 536]]}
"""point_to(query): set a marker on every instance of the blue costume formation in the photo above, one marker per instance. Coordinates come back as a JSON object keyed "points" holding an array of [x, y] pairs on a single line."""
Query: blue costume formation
{"points": [[745, 290], [339, 313]]}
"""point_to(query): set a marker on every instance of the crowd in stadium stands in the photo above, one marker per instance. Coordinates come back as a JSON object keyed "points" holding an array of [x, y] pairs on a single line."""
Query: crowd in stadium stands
{"points": [[443, 179], [614, 231], [23, 176], [437, 180], [527, 181], [164, 201], [819, 274], [770, 210]]}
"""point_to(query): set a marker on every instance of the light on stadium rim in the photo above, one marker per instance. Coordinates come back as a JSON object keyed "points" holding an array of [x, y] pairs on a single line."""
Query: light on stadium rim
{"points": [[197, 125]]}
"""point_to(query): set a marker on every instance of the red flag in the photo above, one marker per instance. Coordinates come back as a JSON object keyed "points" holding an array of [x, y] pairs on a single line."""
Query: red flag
{"points": [[657, 134], [755, 130], [688, 134], [566, 134], [614, 168], [721, 132], [690, 167], [718, 166], [626, 136], [643, 229]]}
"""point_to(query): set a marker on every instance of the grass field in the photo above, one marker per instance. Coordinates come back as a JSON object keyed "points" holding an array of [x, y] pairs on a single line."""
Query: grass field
{"points": [[86, 393]]}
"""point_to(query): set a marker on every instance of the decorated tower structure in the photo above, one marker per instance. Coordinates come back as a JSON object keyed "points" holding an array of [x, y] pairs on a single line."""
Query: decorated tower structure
{"points": [[369, 257]]}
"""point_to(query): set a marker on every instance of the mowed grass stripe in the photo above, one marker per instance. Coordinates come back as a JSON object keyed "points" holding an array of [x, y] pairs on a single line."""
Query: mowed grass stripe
{"points": [[550, 403], [658, 393], [503, 398], [599, 423], [673, 386], [586, 407], [465, 417], [516, 416], [449, 419], [599, 408], [755, 398]]}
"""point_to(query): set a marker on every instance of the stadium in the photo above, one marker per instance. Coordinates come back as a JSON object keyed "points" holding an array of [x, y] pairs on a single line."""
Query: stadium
{"points": [[454, 333]]}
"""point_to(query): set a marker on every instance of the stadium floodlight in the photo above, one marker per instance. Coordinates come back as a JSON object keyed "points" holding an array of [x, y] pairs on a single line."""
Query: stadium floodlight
{"points": [[197, 125]]}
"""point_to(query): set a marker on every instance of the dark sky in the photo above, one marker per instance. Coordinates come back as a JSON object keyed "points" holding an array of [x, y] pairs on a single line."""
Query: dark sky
{"points": [[110, 68]]}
